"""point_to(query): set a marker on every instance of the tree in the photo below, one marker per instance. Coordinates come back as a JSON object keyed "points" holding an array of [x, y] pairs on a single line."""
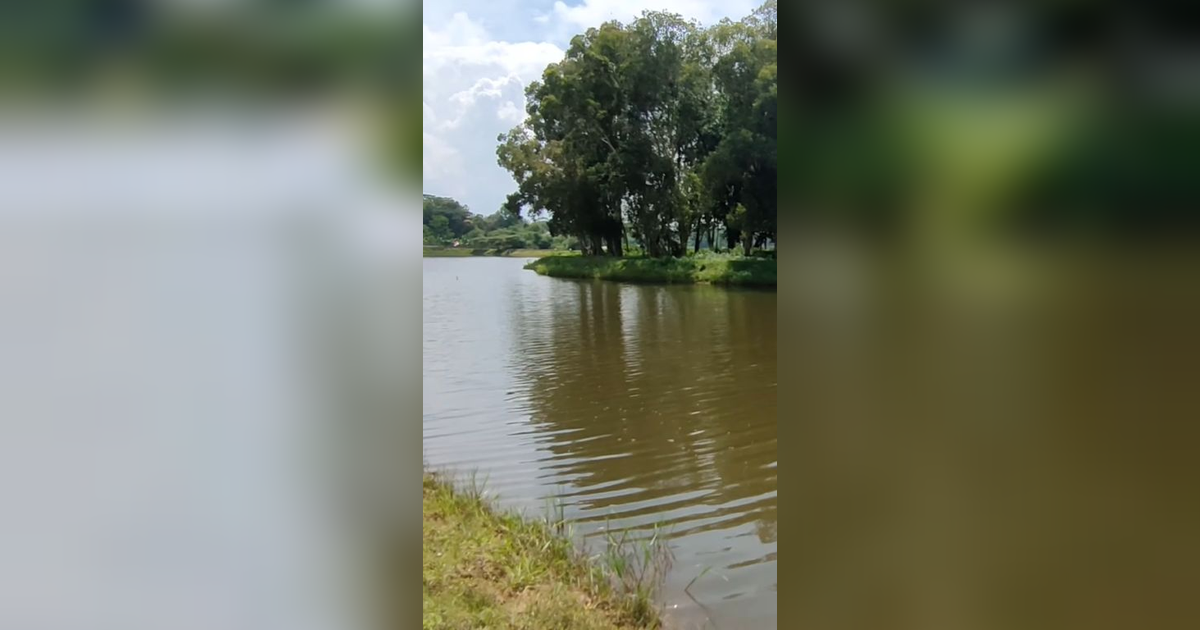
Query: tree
{"points": [[742, 170], [439, 229], [446, 218], [652, 132]]}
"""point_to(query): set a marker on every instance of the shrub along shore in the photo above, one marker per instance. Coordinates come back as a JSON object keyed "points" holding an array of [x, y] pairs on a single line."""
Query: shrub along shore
{"points": [[712, 269], [486, 569]]}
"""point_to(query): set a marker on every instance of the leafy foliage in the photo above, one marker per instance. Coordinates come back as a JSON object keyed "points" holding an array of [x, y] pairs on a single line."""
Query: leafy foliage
{"points": [[447, 221], [655, 132]]}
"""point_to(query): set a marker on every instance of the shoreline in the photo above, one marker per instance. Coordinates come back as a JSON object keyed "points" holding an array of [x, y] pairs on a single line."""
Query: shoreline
{"points": [[716, 269], [464, 252], [482, 567]]}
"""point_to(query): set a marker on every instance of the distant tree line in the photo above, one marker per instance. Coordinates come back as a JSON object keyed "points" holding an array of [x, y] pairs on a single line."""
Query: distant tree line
{"points": [[447, 222], [658, 134]]}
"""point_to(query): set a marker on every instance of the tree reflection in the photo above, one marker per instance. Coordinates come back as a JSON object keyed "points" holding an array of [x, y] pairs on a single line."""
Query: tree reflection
{"points": [[656, 403]]}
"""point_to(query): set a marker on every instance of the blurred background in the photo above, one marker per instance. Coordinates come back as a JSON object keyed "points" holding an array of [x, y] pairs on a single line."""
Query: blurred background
{"points": [[286, 53], [992, 299], [209, 374], [1056, 118], [991, 318]]}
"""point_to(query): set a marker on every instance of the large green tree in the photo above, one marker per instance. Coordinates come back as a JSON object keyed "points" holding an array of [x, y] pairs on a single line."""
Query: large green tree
{"points": [[741, 172], [656, 131]]}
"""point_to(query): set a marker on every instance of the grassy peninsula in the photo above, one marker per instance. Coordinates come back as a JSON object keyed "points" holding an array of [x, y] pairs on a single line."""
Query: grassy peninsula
{"points": [[464, 252], [725, 269], [483, 568]]}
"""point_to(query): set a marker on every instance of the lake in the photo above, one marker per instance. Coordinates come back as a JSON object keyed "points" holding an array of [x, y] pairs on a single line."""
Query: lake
{"points": [[633, 405]]}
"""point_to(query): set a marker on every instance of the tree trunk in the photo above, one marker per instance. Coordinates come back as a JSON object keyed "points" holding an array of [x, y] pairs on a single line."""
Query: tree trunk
{"points": [[747, 243], [614, 245], [650, 244]]}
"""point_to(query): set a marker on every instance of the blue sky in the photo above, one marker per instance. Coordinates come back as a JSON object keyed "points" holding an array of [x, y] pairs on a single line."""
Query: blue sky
{"points": [[478, 56]]}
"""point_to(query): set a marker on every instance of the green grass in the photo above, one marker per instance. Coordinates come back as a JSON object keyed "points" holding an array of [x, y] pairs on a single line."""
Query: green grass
{"points": [[708, 268], [536, 253], [462, 252], [483, 568]]}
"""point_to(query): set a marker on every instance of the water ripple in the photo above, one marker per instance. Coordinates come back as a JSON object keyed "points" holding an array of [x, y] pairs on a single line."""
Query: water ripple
{"points": [[630, 406]]}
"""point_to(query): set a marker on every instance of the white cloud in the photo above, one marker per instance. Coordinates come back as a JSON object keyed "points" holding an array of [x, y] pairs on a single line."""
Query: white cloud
{"points": [[511, 113], [474, 90], [595, 12], [459, 30], [465, 43], [440, 160], [484, 88]]}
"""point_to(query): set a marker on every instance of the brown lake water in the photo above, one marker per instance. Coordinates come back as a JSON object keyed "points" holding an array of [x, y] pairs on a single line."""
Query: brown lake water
{"points": [[633, 405]]}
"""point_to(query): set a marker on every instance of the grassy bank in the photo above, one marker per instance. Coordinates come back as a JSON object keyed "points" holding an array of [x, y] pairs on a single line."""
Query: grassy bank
{"points": [[463, 252], [712, 268], [487, 569]]}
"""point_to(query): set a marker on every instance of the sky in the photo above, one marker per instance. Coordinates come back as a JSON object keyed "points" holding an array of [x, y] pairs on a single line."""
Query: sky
{"points": [[478, 56]]}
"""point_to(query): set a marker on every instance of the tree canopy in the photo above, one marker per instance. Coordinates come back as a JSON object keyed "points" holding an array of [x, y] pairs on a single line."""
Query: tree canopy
{"points": [[658, 131], [447, 221]]}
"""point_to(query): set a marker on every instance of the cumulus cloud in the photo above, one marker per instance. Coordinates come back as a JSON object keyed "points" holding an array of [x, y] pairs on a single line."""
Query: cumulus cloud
{"points": [[511, 113], [593, 12], [441, 162], [474, 90]]}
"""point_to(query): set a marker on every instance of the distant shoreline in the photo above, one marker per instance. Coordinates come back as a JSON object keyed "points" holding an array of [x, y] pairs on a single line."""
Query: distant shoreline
{"points": [[466, 252], [715, 269]]}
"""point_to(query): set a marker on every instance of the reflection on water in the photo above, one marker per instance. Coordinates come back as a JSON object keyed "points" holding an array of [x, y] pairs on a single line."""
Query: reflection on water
{"points": [[634, 404]]}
